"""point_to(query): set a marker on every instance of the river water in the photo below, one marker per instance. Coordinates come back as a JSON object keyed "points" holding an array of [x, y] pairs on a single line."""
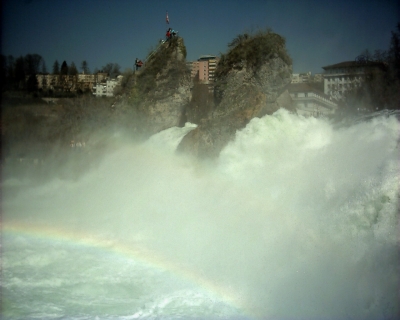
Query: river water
{"points": [[297, 219]]}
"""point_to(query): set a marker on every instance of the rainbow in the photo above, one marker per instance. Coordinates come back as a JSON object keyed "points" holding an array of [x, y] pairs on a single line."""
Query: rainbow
{"points": [[137, 253]]}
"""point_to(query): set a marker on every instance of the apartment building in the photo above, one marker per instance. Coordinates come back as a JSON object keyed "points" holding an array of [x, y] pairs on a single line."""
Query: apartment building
{"points": [[71, 83], [340, 77], [318, 77], [296, 78], [306, 77], [47, 81], [204, 68], [106, 87], [310, 102]]}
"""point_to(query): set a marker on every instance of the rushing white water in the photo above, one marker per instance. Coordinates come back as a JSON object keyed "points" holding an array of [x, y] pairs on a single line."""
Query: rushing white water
{"points": [[296, 219]]}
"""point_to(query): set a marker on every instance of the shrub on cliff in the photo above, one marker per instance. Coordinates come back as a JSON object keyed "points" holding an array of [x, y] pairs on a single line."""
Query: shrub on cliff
{"points": [[253, 50], [164, 68]]}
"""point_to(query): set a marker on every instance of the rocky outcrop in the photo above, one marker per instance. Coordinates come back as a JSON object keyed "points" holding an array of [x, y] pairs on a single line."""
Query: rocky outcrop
{"points": [[162, 89], [251, 82]]}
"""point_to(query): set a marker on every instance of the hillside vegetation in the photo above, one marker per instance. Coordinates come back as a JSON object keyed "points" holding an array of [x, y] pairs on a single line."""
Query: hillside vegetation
{"points": [[255, 49], [162, 73], [250, 81]]}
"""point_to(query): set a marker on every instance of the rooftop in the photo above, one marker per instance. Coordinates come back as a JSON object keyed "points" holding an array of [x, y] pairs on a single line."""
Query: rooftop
{"points": [[206, 57], [353, 64], [304, 87]]}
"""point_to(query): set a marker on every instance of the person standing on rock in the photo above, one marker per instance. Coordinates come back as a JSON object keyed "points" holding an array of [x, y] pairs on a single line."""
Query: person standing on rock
{"points": [[138, 64]]}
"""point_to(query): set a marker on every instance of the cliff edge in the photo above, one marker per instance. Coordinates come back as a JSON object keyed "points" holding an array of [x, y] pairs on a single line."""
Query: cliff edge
{"points": [[250, 81], [162, 89]]}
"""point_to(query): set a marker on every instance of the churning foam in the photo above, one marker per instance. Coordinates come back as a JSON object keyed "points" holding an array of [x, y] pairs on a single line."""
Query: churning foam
{"points": [[136, 252], [297, 218]]}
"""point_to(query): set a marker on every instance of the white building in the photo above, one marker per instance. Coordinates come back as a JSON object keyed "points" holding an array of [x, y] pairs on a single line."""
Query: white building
{"points": [[311, 102], [340, 77], [296, 78], [70, 83], [318, 77], [106, 88], [306, 77], [204, 68]]}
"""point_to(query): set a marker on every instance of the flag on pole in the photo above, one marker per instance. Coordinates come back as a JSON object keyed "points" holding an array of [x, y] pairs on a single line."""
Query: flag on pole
{"points": [[166, 18]]}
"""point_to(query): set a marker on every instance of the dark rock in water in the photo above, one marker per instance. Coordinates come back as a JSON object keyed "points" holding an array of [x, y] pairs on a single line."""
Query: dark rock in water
{"points": [[250, 82]]}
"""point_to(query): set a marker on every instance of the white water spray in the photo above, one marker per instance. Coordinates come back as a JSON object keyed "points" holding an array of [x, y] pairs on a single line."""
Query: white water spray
{"points": [[295, 219]]}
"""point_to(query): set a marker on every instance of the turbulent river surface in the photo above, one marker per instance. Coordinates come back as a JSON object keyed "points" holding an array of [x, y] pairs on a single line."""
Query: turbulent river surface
{"points": [[297, 219]]}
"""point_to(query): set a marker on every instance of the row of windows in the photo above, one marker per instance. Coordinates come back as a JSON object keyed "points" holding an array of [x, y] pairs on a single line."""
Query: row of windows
{"points": [[347, 78], [340, 86], [334, 86], [303, 94]]}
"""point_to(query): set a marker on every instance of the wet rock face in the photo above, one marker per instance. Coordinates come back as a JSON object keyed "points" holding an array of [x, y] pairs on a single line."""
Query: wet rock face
{"points": [[243, 91], [269, 80], [162, 89], [167, 112], [250, 82]]}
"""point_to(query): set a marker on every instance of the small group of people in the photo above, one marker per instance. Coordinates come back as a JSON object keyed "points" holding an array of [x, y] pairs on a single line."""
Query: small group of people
{"points": [[171, 33], [138, 64]]}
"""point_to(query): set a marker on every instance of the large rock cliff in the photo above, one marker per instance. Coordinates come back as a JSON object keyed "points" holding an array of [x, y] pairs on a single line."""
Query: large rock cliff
{"points": [[162, 89], [250, 81]]}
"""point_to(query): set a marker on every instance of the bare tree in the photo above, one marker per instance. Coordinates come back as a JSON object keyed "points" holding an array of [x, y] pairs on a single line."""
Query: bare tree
{"points": [[107, 68], [44, 69], [85, 67], [32, 63], [116, 69], [112, 68]]}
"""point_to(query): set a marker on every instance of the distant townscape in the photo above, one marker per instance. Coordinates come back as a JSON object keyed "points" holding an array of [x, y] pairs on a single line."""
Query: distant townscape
{"points": [[100, 84], [312, 94], [220, 94], [369, 81]]}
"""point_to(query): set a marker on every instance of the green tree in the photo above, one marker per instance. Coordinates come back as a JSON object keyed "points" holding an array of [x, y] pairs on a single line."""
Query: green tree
{"points": [[381, 86], [19, 73], [64, 68], [112, 68], [393, 77], [107, 68], [394, 54], [56, 67], [32, 83], [380, 56], [44, 69], [10, 69], [32, 63], [72, 69], [116, 69], [3, 71]]}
